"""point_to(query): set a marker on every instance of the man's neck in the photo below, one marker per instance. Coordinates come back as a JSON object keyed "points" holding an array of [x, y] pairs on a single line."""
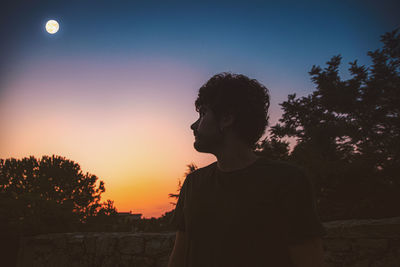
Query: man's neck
{"points": [[235, 161]]}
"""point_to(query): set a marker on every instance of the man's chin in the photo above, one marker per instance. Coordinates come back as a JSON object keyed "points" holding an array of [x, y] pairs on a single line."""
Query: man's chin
{"points": [[203, 148], [198, 146]]}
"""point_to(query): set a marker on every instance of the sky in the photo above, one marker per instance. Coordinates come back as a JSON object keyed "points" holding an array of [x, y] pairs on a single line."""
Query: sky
{"points": [[114, 88]]}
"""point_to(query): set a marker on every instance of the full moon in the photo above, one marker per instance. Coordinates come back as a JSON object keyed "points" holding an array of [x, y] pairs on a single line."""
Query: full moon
{"points": [[52, 26]]}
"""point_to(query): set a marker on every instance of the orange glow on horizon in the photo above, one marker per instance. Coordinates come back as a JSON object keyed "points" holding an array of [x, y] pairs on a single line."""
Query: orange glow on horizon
{"points": [[137, 140]]}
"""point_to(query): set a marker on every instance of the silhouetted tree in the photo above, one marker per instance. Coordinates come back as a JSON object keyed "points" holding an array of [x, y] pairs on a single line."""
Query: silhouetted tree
{"points": [[348, 134], [43, 196], [272, 148], [47, 195], [103, 220], [163, 221], [190, 168]]}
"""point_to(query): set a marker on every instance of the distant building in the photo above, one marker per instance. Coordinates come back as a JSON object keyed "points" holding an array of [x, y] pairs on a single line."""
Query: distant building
{"points": [[127, 217]]}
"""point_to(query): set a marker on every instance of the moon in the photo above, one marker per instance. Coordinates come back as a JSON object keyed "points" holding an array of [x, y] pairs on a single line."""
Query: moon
{"points": [[52, 26]]}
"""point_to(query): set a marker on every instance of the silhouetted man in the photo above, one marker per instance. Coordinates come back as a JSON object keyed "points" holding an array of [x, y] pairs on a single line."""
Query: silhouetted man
{"points": [[242, 210]]}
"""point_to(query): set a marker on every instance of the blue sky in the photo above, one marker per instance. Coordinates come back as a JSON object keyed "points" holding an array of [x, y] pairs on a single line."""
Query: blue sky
{"points": [[269, 39]]}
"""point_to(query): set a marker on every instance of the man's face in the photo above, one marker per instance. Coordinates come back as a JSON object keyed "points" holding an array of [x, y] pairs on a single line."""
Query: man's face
{"points": [[206, 130]]}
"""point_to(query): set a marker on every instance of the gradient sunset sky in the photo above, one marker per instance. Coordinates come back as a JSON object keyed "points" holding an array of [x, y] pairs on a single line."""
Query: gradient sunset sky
{"points": [[114, 88]]}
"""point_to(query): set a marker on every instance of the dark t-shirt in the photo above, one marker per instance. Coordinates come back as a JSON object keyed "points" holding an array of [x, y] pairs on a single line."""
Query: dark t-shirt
{"points": [[246, 217]]}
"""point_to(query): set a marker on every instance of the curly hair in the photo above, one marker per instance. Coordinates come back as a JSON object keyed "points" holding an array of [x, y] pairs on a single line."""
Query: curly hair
{"points": [[246, 99]]}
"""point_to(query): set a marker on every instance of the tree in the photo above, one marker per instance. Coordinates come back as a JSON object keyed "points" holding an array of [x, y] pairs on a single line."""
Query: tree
{"points": [[164, 220], [190, 168], [347, 134], [104, 219], [47, 195], [272, 148]]}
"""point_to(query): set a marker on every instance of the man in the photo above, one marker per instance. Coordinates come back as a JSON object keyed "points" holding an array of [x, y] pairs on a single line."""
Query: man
{"points": [[242, 210]]}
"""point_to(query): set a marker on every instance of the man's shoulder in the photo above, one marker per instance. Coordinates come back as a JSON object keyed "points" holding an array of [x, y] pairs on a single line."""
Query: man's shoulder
{"points": [[284, 171], [276, 169], [206, 170], [284, 167], [267, 164]]}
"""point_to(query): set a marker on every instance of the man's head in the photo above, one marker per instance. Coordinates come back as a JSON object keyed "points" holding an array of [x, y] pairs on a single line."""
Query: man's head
{"points": [[230, 103]]}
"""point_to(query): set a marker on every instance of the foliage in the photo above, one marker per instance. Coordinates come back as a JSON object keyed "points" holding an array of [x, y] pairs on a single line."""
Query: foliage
{"points": [[347, 135], [163, 222], [104, 220], [272, 148], [47, 195], [190, 168]]}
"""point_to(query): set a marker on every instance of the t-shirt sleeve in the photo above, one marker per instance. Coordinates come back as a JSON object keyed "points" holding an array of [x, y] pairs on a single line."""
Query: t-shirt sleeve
{"points": [[299, 211], [177, 220]]}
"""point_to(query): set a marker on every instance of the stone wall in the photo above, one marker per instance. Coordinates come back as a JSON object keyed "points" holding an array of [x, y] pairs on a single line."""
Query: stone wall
{"points": [[358, 243], [354, 243]]}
